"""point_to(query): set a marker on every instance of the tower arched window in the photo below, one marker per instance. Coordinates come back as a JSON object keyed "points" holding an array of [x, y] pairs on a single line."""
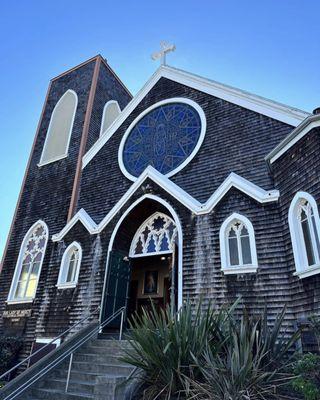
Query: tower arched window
{"points": [[305, 233], [111, 111], [237, 245], [60, 127], [70, 266], [27, 272]]}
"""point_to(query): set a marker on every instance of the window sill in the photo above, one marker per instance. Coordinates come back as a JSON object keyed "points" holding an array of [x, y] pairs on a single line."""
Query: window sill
{"points": [[246, 269], [26, 301], [41, 164], [314, 270], [66, 285]]}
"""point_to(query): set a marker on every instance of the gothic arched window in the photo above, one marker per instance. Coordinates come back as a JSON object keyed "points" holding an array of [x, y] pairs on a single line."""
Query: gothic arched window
{"points": [[111, 111], [305, 232], [70, 266], [237, 245], [60, 127], [155, 236], [27, 272]]}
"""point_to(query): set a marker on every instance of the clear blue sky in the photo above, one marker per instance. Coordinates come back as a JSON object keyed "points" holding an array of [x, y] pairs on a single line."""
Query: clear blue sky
{"points": [[269, 47]]}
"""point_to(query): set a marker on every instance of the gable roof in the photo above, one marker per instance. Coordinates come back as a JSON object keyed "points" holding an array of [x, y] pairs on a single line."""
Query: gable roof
{"points": [[272, 109], [313, 121], [233, 180]]}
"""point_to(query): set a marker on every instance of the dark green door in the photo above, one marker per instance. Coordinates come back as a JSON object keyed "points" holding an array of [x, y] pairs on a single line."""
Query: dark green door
{"points": [[117, 287]]}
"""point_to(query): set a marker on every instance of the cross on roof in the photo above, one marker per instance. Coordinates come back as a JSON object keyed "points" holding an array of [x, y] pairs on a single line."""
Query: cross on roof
{"points": [[165, 48]]}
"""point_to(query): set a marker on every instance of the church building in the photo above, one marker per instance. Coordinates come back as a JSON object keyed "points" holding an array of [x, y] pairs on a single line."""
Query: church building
{"points": [[190, 189]]}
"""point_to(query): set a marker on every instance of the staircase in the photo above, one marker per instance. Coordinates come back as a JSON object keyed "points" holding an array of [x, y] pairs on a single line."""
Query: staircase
{"points": [[96, 373]]}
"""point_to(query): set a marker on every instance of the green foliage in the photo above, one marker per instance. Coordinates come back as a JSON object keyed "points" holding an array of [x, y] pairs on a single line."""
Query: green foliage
{"points": [[307, 370], [250, 366], [209, 355], [165, 347], [9, 350]]}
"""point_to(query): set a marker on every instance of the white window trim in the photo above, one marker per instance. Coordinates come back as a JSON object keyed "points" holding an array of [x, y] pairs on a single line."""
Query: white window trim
{"points": [[224, 247], [69, 285], [42, 163], [298, 246], [11, 299], [145, 112], [104, 114], [141, 228]]}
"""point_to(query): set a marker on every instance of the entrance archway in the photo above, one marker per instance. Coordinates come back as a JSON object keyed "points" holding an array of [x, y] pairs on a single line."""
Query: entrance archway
{"points": [[148, 233]]}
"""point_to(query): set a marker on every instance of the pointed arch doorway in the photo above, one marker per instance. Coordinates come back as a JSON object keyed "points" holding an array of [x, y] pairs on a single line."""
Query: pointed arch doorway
{"points": [[144, 260]]}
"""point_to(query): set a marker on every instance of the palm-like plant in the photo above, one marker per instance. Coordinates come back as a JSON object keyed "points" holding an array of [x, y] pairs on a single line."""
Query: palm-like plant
{"points": [[165, 347]]}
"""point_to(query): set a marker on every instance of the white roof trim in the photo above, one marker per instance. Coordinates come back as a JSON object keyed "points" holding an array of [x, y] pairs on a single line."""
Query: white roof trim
{"points": [[272, 109], [310, 123], [233, 180]]}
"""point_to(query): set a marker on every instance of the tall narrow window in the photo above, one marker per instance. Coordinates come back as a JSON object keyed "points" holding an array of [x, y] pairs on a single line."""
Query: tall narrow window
{"points": [[305, 232], [111, 111], [237, 245], [26, 276], [60, 127], [70, 266]]}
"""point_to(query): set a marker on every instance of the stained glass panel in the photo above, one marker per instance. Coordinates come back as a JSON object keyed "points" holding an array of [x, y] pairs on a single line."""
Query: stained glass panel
{"points": [[164, 139]]}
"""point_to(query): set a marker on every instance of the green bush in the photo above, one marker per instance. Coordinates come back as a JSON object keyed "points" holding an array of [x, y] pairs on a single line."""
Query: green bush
{"points": [[164, 347], [209, 355], [307, 382], [9, 351]]}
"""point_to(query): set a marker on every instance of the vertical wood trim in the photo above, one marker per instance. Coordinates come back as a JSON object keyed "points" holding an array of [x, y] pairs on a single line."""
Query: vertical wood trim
{"points": [[84, 137], [25, 176]]}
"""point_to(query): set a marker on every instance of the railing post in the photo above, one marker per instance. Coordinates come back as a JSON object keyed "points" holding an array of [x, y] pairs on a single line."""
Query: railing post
{"points": [[121, 324], [69, 372]]}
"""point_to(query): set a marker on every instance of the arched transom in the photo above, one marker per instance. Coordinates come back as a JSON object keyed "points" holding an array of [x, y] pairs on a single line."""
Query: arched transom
{"points": [[155, 236]]}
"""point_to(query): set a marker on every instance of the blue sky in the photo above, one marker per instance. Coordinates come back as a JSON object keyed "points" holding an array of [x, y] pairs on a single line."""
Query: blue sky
{"points": [[271, 48]]}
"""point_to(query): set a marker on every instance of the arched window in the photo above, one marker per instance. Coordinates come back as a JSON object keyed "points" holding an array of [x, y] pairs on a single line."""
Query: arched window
{"points": [[27, 272], [238, 245], [155, 236], [111, 111], [70, 266], [305, 232], [60, 127]]}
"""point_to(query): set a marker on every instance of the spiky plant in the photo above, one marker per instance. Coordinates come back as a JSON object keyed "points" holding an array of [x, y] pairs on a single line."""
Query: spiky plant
{"points": [[164, 347]]}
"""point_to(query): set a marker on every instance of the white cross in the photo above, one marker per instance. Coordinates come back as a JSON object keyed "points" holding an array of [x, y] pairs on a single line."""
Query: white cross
{"points": [[165, 48]]}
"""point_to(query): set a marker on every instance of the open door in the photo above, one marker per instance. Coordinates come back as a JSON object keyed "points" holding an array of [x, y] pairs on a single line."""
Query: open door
{"points": [[117, 286]]}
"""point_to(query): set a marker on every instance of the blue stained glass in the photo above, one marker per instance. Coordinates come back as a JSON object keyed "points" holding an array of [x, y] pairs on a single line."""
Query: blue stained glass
{"points": [[164, 139]]}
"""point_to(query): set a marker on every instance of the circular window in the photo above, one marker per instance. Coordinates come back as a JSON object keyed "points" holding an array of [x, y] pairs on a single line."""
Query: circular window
{"points": [[166, 136]]}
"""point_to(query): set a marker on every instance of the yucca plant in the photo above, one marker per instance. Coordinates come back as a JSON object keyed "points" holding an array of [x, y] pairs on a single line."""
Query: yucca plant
{"points": [[164, 347], [251, 365]]}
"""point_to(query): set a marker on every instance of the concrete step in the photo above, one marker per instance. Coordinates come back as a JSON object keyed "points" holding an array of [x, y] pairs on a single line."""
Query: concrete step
{"points": [[56, 394], [83, 386], [105, 358], [101, 368]]}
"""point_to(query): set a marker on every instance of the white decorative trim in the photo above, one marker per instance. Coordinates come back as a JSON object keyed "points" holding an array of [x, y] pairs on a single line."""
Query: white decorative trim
{"points": [[177, 222], [233, 180], [145, 112], [305, 127], [153, 235], [11, 299], [298, 245], [224, 246], [64, 261], [104, 114], [314, 270], [57, 342], [280, 112], [42, 163]]}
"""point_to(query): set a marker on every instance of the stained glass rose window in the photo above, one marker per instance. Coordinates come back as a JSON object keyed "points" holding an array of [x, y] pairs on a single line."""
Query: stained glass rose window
{"points": [[163, 138]]}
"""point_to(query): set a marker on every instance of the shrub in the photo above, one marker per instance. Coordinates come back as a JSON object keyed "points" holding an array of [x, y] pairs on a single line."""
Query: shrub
{"points": [[251, 366], [165, 347], [9, 351], [307, 382]]}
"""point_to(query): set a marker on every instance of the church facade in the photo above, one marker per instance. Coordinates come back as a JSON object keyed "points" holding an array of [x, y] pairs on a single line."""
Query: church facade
{"points": [[190, 189]]}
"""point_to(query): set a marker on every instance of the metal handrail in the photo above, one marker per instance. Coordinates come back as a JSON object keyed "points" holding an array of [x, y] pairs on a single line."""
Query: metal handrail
{"points": [[73, 348], [48, 344]]}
